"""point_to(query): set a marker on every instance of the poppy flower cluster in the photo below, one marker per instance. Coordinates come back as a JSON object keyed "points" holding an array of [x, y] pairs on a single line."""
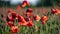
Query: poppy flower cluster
{"points": [[55, 11], [25, 21], [21, 20], [10, 20]]}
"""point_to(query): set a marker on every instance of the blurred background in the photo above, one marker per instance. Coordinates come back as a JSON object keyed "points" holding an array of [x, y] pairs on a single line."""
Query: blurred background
{"points": [[36, 3]]}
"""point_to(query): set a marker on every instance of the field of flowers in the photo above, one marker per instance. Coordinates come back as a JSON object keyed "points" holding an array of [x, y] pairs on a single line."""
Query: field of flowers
{"points": [[26, 20]]}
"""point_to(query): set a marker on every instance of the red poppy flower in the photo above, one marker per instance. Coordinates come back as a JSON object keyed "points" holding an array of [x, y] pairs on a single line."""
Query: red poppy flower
{"points": [[29, 24], [21, 21], [9, 18], [29, 10], [24, 4], [37, 18], [20, 18], [44, 18], [14, 15], [14, 29], [27, 19], [53, 11], [10, 23], [28, 14], [18, 7], [57, 11]]}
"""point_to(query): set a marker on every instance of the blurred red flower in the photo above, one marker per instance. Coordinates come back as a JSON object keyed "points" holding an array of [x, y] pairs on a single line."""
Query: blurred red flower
{"points": [[55, 11], [20, 18], [28, 14], [37, 18], [14, 15], [25, 3], [9, 18], [27, 19], [10, 24], [29, 23], [29, 10], [14, 29], [21, 21], [44, 18]]}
